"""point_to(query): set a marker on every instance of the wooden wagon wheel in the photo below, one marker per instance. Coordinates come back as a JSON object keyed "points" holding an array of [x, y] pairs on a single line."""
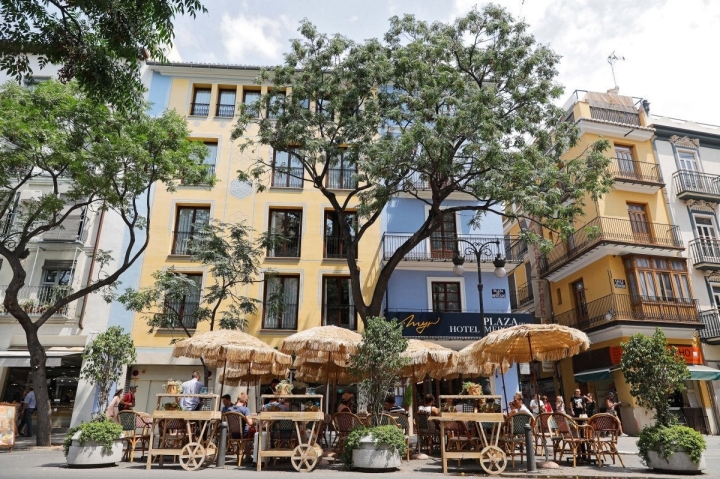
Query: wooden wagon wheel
{"points": [[192, 456], [305, 457], [493, 460]]}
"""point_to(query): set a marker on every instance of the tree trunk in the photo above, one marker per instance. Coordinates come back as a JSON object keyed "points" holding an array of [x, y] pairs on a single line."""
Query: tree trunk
{"points": [[39, 374]]}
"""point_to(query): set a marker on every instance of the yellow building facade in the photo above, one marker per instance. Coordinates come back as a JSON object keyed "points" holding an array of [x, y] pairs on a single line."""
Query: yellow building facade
{"points": [[310, 266], [623, 271]]}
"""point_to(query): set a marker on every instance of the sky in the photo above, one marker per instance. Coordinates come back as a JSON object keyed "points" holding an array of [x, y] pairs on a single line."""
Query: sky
{"points": [[669, 46]]}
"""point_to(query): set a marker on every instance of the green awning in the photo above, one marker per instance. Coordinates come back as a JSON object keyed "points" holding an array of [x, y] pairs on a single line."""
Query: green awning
{"points": [[704, 373], [592, 375]]}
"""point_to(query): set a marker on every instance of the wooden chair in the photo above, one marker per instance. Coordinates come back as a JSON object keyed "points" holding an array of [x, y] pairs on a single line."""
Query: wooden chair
{"points": [[544, 432], [283, 435], [573, 437], [513, 440], [403, 422], [238, 441], [135, 429], [344, 422], [427, 436], [607, 429]]}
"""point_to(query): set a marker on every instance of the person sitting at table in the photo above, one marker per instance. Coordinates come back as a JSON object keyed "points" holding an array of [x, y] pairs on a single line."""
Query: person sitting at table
{"points": [[344, 406], [517, 405], [390, 407], [429, 407], [226, 403]]}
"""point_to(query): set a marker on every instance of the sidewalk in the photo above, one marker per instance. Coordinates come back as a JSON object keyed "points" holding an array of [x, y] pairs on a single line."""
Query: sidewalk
{"points": [[29, 461]]}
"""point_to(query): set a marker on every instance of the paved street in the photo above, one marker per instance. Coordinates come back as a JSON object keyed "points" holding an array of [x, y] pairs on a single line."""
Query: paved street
{"points": [[28, 461]]}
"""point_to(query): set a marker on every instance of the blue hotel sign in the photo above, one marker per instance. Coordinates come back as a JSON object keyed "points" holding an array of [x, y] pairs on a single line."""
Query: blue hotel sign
{"points": [[455, 325]]}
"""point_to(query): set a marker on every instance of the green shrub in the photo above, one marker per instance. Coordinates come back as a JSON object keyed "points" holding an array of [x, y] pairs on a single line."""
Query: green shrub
{"points": [[668, 440], [388, 435], [102, 431]]}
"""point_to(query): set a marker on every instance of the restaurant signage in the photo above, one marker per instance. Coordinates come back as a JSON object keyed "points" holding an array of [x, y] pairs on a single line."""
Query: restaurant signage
{"points": [[455, 325]]}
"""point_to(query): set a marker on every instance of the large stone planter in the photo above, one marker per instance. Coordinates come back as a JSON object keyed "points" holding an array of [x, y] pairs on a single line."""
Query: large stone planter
{"points": [[678, 462], [91, 453], [371, 455]]}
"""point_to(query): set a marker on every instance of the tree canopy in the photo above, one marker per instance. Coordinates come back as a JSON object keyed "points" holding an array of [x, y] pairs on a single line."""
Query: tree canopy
{"points": [[99, 43], [430, 111]]}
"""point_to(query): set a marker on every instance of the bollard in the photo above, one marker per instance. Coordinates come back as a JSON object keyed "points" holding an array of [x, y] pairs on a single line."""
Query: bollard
{"points": [[530, 449], [223, 445]]}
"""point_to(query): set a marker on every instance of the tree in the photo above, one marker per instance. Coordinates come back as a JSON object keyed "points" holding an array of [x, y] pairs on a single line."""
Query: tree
{"points": [[98, 43], [654, 371], [432, 111], [90, 158], [104, 361], [378, 362]]}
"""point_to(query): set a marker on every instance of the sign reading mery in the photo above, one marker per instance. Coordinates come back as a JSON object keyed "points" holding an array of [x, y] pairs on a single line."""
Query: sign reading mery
{"points": [[455, 325]]}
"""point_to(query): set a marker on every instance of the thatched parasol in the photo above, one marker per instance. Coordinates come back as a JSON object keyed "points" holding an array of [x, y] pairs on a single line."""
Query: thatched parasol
{"points": [[471, 364], [427, 358], [231, 346], [252, 373]]}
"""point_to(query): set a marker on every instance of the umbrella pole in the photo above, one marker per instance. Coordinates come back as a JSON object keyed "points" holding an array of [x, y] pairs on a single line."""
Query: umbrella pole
{"points": [[222, 383], [502, 376], [327, 387]]}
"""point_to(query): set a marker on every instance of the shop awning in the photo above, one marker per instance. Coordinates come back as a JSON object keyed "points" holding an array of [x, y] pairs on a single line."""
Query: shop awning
{"points": [[592, 375], [21, 359], [704, 373]]}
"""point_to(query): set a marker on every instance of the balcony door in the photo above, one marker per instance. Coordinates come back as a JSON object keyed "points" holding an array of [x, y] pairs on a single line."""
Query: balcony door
{"points": [[716, 295], [581, 309], [639, 223], [692, 179], [443, 241], [626, 166], [707, 237]]}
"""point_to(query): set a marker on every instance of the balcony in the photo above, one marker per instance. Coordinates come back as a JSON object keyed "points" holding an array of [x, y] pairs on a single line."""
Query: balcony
{"points": [[285, 177], [615, 115], [693, 185], [522, 296], [335, 248], [705, 253], [35, 300], [711, 332], [286, 248], [225, 111], [342, 179], [604, 236], [72, 230], [439, 248], [616, 308], [199, 109], [636, 176]]}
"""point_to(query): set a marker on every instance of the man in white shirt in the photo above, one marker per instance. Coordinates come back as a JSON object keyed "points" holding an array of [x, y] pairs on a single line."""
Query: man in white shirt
{"points": [[30, 407], [536, 405], [193, 386]]}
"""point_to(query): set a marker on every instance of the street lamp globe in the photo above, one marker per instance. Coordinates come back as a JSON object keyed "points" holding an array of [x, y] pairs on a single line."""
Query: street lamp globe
{"points": [[458, 269], [499, 264]]}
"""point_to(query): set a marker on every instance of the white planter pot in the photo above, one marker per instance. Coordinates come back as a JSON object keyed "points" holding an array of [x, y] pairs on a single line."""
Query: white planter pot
{"points": [[375, 456], [680, 461], [90, 453]]}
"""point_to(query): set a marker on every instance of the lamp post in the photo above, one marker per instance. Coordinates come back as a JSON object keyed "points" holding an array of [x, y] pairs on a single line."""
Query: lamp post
{"points": [[478, 248]]}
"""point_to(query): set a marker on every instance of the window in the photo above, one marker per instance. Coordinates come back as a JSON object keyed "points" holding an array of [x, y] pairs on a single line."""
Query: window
{"points": [[446, 297], [338, 305], [189, 223], [182, 312], [280, 307], [201, 102], [276, 106], [342, 176], [251, 98], [285, 231], [211, 157], [324, 107], [226, 103], [625, 160], [688, 161], [658, 279], [334, 246], [443, 241], [287, 170], [54, 284]]}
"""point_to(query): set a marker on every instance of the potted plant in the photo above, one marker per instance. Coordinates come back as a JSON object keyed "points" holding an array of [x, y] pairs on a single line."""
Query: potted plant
{"points": [[172, 386], [284, 387], [94, 443], [377, 365], [471, 389], [654, 371]]}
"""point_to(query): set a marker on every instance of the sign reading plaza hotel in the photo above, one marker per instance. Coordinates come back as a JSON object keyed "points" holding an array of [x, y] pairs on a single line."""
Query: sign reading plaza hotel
{"points": [[428, 324]]}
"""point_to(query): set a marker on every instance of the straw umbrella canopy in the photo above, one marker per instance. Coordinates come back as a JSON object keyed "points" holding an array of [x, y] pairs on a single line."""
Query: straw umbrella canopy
{"points": [[470, 364], [426, 358], [251, 373], [225, 346]]}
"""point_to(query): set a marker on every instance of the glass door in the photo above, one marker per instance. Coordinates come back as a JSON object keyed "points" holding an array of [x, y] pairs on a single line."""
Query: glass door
{"points": [[443, 240], [625, 162], [639, 223], [707, 239]]}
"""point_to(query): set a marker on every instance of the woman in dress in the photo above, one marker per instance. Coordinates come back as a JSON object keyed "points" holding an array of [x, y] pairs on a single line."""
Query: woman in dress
{"points": [[113, 408], [548, 406], [559, 404]]}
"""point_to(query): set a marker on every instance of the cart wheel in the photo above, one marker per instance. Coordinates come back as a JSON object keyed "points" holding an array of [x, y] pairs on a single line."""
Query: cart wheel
{"points": [[493, 460], [192, 456], [305, 458]]}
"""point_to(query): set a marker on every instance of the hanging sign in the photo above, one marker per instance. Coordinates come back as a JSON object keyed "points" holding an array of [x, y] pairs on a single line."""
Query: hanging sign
{"points": [[524, 368], [548, 366], [498, 293]]}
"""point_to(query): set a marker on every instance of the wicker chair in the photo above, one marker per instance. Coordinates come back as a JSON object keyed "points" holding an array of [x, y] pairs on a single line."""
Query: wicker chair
{"points": [[427, 435], [135, 429], [573, 437], [344, 422], [403, 422], [607, 429], [238, 441], [513, 440], [544, 432]]}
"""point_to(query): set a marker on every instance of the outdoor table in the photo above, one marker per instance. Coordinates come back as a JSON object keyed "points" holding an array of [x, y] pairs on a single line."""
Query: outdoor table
{"points": [[200, 427], [305, 456], [489, 455], [583, 447]]}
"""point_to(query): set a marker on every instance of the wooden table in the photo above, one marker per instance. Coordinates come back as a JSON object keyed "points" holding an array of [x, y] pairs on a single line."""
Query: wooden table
{"points": [[305, 456], [489, 455], [201, 426]]}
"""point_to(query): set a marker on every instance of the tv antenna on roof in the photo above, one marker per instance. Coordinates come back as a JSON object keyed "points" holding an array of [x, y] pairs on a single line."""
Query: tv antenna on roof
{"points": [[611, 60]]}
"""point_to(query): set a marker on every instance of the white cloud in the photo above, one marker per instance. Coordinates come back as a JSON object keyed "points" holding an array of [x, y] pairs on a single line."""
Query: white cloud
{"points": [[246, 36]]}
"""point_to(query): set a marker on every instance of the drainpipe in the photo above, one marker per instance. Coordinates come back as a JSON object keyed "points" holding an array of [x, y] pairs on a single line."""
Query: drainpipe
{"points": [[92, 265]]}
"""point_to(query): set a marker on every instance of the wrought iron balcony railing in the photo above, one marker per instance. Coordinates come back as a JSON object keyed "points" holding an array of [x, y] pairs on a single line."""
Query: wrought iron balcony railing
{"points": [[696, 185], [711, 319], [287, 178], [200, 109], [35, 300], [225, 111], [628, 307], [287, 248], [705, 253], [640, 171], [442, 247], [611, 230], [615, 116], [522, 295], [335, 247], [342, 316]]}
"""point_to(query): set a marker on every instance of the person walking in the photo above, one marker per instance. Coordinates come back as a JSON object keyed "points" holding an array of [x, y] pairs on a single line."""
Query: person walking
{"points": [[537, 405], [127, 403], [29, 409], [548, 406], [590, 404], [114, 407], [559, 404], [193, 386], [577, 403]]}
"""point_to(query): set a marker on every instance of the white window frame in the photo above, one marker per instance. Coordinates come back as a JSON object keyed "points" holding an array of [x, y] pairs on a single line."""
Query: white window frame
{"points": [[447, 279]]}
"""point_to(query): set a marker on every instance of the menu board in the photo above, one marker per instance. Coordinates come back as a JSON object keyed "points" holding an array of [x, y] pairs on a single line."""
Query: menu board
{"points": [[7, 425]]}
